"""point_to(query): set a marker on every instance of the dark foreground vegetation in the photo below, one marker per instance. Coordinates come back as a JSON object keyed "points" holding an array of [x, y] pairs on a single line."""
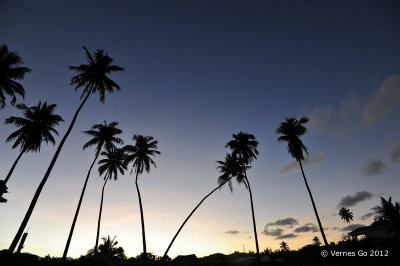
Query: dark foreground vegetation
{"points": [[359, 252]]}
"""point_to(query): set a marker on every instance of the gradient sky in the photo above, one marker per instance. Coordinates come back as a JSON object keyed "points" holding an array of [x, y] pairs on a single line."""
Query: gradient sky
{"points": [[197, 72]]}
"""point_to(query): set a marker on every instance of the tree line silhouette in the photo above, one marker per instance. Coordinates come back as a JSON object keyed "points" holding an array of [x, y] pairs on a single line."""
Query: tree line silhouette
{"points": [[37, 124]]}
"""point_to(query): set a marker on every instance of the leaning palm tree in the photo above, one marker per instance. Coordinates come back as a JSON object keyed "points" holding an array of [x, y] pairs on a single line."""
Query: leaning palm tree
{"points": [[10, 70], [291, 130], [229, 169], [36, 126], [93, 77], [102, 135], [346, 215], [244, 147], [114, 162], [140, 154]]}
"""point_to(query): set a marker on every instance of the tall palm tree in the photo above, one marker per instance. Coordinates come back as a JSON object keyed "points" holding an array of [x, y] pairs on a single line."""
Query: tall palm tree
{"points": [[93, 77], [244, 147], [229, 169], [109, 249], [36, 126], [10, 70], [346, 215], [291, 130], [114, 162], [102, 135], [141, 155]]}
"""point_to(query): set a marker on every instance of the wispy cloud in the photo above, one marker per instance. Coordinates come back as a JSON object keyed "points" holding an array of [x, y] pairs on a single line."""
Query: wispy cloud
{"points": [[232, 232], [351, 227], [272, 232], [320, 118], [395, 153], [367, 216], [373, 167], [308, 227], [294, 165], [291, 235], [352, 200], [284, 222]]}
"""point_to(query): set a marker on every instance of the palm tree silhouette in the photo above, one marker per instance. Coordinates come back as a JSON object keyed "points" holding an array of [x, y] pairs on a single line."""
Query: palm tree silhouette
{"points": [[102, 135], [316, 241], [93, 78], [114, 162], [109, 249], [291, 130], [346, 215], [284, 246], [36, 126], [10, 70], [140, 154], [390, 213], [229, 169], [244, 147]]}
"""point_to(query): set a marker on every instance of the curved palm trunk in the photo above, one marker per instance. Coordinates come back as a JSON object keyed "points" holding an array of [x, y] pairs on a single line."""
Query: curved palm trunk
{"points": [[254, 222], [190, 215], [45, 177], [141, 214], [313, 204], [79, 207], [13, 166], [98, 222]]}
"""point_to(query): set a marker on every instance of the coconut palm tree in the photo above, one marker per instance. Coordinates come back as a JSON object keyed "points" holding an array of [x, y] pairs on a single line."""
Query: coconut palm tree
{"points": [[244, 147], [291, 130], [93, 78], [109, 249], [284, 246], [229, 169], [388, 212], [346, 215], [102, 135], [141, 156], [114, 162], [316, 241], [36, 126], [10, 70]]}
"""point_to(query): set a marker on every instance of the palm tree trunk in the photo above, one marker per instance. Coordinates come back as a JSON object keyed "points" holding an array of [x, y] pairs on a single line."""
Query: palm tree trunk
{"points": [[254, 221], [190, 215], [141, 214], [79, 207], [98, 222], [45, 177], [13, 166], [313, 204]]}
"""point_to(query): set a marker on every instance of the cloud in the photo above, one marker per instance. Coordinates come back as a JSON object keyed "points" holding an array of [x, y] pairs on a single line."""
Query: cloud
{"points": [[284, 222], [294, 165], [319, 119], [351, 227], [367, 215], [291, 235], [308, 227], [395, 154], [272, 232], [335, 228], [385, 100], [351, 200], [373, 168], [232, 232]]}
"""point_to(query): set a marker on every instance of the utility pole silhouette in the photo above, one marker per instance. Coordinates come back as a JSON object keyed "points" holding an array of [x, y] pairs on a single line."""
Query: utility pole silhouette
{"points": [[21, 244]]}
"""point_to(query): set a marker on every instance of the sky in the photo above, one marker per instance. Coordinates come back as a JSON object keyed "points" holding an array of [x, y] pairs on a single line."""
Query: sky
{"points": [[197, 72]]}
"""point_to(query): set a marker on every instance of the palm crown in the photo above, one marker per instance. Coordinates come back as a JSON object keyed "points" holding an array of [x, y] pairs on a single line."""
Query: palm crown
{"points": [[388, 211], [140, 154], [93, 76], [291, 130], [114, 162], [36, 126], [243, 146], [229, 169], [103, 135], [10, 70], [346, 214]]}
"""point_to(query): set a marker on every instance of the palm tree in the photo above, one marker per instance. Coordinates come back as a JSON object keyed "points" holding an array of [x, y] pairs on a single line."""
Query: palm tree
{"points": [[388, 212], [291, 130], [102, 135], [114, 162], [229, 169], [316, 241], [244, 147], [93, 78], [284, 246], [346, 215], [10, 70], [140, 154], [36, 126], [109, 249]]}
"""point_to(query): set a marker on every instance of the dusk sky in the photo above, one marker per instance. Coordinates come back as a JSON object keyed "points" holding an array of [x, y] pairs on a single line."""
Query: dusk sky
{"points": [[197, 72]]}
